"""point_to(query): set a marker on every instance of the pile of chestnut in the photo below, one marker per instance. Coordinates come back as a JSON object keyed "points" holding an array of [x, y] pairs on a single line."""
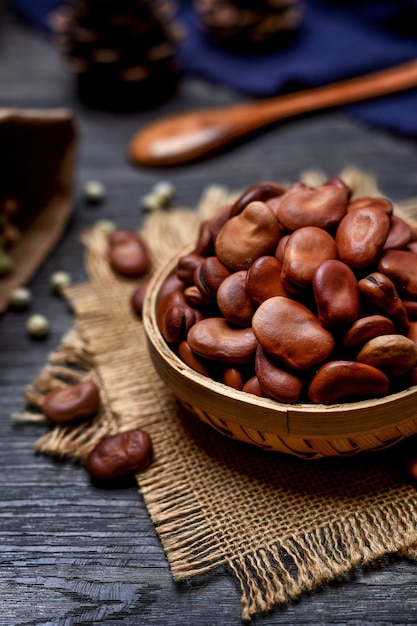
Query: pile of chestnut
{"points": [[114, 456], [298, 294]]}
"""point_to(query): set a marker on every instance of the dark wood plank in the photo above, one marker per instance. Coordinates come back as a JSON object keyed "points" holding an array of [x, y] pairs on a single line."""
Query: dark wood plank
{"points": [[75, 554]]}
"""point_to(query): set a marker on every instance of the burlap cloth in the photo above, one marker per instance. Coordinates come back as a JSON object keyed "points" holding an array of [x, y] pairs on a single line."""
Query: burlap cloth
{"points": [[282, 525]]}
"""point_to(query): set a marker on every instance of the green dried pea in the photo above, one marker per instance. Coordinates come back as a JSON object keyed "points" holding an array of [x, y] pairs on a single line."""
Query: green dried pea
{"points": [[59, 280], [107, 226], [6, 263], [151, 202], [20, 298], [94, 191], [164, 190], [160, 196], [37, 326]]}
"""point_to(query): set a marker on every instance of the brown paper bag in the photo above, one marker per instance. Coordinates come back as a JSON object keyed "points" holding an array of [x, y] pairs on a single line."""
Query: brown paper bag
{"points": [[37, 156]]}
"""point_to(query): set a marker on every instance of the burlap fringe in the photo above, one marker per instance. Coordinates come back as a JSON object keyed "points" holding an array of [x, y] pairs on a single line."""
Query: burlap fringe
{"points": [[276, 575], [188, 540], [68, 365], [267, 576]]}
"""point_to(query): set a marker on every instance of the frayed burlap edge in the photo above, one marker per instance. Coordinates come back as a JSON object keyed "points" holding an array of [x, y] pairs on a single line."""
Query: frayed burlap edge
{"points": [[268, 575]]}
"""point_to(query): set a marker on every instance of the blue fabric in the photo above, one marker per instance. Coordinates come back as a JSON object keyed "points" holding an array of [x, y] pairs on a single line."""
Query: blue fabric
{"points": [[36, 11], [338, 39]]}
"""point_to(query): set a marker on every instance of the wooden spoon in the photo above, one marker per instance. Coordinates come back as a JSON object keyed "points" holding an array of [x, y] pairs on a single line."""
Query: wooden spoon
{"points": [[185, 137]]}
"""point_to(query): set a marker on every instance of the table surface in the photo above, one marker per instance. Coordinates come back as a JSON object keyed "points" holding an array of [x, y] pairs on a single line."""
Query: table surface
{"points": [[75, 554]]}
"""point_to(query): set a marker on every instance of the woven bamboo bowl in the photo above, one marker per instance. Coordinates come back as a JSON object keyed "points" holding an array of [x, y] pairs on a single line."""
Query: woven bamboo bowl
{"points": [[308, 431]]}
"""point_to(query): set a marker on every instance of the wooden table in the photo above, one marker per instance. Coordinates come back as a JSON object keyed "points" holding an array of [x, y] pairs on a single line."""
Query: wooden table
{"points": [[71, 553]]}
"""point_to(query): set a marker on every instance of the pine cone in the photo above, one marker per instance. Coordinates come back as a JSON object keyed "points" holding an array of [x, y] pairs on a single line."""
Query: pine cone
{"points": [[249, 26], [122, 51]]}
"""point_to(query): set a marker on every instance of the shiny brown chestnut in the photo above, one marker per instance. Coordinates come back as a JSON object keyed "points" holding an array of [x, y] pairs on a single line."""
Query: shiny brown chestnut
{"points": [[401, 267], [209, 276], [204, 244], [234, 301], [366, 328], [280, 249], [336, 294], [174, 317], [259, 191], [186, 266], [232, 377], [361, 235], [274, 201], [380, 291], [288, 331], [215, 339], [393, 354], [252, 386], [138, 296], [276, 382], [192, 360], [368, 201], [72, 403], [399, 235], [217, 221], [346, 381], [263, 279], [170, 285], [306, 248], [119, 455], [209, 230], [196, 298], [339, 182], [127, 253], [323, 207], [252, 233]]}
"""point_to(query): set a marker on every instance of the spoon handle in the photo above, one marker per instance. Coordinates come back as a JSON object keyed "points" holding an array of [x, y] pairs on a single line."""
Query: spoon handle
{"points": [[185, 137]]}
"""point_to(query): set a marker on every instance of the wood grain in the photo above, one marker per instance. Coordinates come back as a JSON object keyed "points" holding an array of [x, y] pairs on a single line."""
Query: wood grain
{"points": [[70, 552]]}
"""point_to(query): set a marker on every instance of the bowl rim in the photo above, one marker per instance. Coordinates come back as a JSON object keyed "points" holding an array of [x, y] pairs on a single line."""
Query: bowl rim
{"points": [[341, 420]]}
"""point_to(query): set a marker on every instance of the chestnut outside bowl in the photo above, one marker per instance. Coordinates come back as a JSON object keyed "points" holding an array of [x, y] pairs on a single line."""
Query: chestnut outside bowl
{"points": [[308, 431]]}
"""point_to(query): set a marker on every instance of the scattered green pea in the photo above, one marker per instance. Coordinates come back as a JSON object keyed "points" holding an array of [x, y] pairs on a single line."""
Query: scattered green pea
{"points": [[94, 191], [37, 326], [20, 298], [59, 280], [160, 196], [151, 202], [107, 226], [6, 263], [164, 190]]}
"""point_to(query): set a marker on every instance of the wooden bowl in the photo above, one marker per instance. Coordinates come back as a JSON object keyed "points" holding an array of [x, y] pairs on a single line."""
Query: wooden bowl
{"points": [[308, 431]]}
